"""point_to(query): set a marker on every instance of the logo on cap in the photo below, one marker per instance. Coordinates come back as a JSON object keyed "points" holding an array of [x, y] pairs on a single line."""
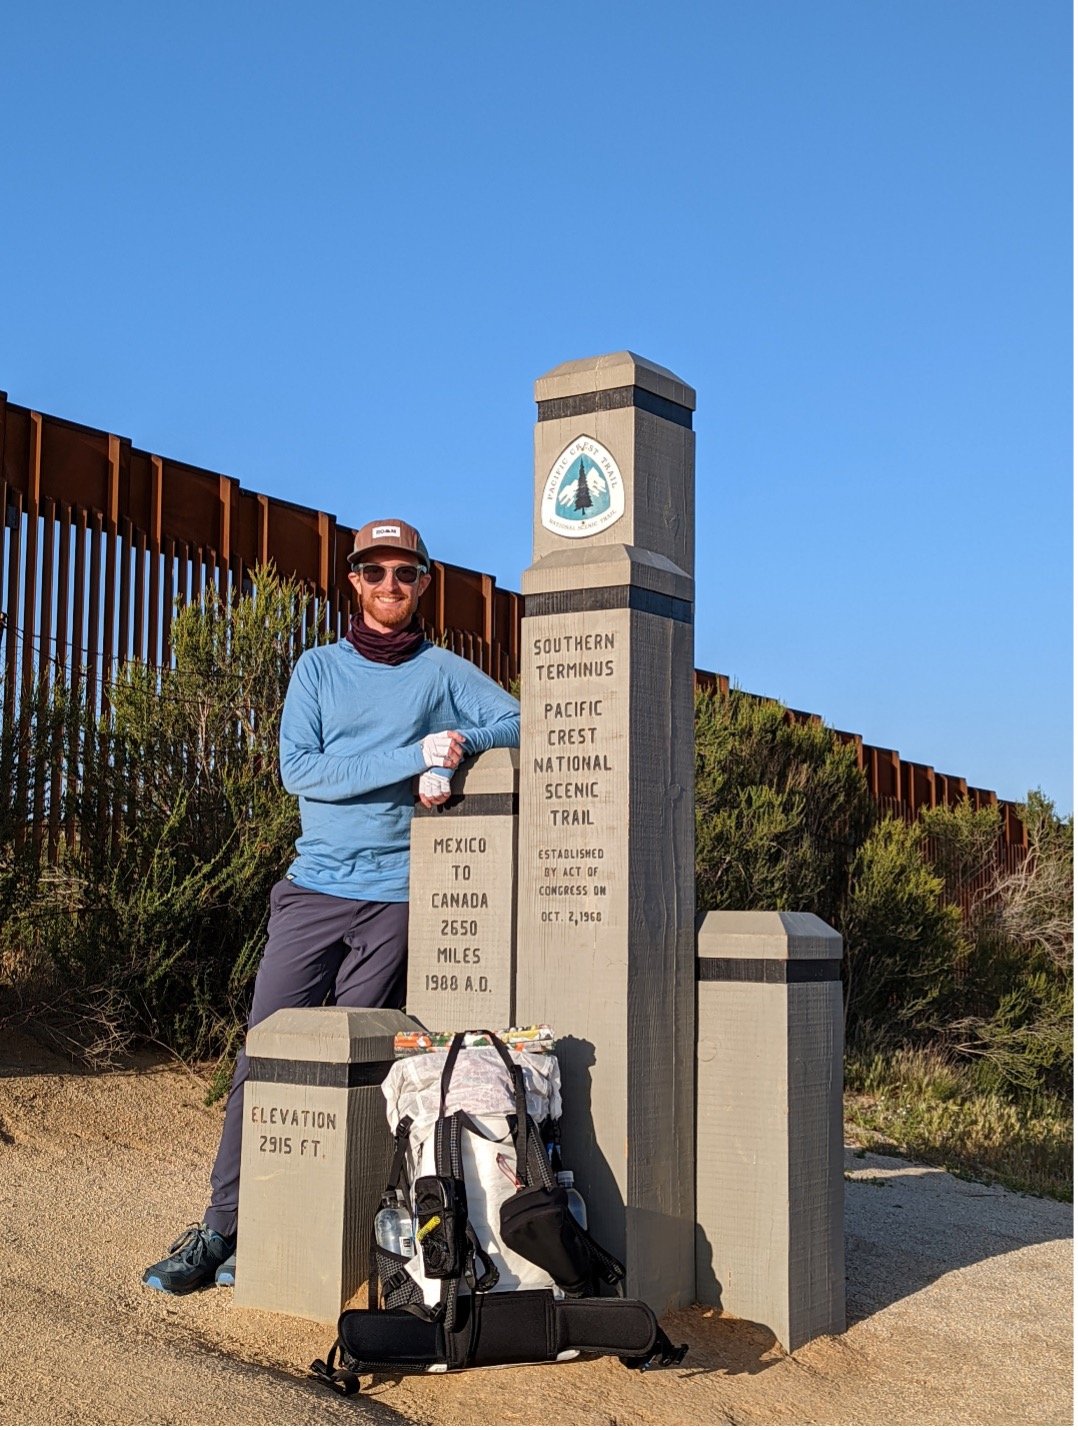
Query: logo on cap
{"points": [[385, 531], [584, 493]]}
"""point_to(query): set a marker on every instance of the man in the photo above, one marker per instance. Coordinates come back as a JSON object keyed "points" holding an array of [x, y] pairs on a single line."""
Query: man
{"points": [[362, 718]]}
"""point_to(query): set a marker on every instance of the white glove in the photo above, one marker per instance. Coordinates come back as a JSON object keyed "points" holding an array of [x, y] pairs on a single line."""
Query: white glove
{"points": [[445, 748], [433, 785]]}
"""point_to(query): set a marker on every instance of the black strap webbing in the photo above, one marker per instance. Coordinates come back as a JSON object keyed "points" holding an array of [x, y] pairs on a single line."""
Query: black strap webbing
{"points": [[400, 1151]]}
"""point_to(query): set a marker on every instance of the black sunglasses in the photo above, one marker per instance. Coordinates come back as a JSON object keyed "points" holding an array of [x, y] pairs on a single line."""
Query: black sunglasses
{"points": [[374, 574]]}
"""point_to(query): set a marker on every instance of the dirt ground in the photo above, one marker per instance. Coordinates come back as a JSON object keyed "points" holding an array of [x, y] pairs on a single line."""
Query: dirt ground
{"points": [[959, 1298]]}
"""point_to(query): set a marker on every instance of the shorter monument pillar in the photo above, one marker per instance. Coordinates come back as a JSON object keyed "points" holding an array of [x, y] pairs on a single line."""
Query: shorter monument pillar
{"points": [[316, 1151], [462, 900], [769, 1186]]}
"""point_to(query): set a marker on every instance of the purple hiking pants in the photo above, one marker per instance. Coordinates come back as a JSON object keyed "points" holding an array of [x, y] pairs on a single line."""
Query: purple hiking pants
{"points": [[348, 952]]}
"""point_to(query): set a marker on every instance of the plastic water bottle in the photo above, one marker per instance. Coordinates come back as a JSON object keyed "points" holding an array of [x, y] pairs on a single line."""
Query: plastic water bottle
{"points": [[576, 1201], [393, 1229]]}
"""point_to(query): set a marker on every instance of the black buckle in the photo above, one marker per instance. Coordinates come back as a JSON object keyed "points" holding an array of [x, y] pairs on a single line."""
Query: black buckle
{"points": [[343, 1382], [662, 1355]]}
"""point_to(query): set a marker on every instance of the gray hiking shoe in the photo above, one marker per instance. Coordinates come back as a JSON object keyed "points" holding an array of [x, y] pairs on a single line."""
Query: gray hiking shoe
{"points": [[192, 1261], [226, 1272]]}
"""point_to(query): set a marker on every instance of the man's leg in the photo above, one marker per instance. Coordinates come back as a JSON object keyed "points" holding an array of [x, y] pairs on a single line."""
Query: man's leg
{"points": [[374, 971], [304, 948], [303, 952], [371, 975]]}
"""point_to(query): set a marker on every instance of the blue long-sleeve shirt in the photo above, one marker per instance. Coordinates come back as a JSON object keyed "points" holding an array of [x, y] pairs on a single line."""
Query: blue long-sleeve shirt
{"points": [[351, 734]]}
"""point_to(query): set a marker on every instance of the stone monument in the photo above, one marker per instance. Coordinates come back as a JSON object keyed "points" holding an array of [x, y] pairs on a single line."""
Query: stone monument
{"points": [[728, 1190], [605, 946], [769, 1186], [462, 900], [316, 1150]]}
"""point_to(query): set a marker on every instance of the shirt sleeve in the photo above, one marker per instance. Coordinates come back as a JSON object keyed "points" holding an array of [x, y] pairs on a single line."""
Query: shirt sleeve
{"points": [[307, 770], [487, 716]]}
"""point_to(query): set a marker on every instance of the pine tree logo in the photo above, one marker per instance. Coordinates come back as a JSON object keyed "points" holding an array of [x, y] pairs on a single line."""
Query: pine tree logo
{"points": [[584, 492], [583, 496]]}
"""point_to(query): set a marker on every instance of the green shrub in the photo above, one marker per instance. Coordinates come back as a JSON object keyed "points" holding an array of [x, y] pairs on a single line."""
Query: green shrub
{"points": [[1011, 1008], [902, 943], [153, 924], [780, 809]]}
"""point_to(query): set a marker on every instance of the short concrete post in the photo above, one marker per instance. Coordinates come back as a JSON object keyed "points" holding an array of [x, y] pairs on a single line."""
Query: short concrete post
{"points": [[606, 897], [316, 1150], [769, 1188], [462, 900]]}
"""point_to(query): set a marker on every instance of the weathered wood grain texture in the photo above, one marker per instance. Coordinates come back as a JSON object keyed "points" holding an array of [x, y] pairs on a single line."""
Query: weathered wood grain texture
{"points": [[462, 892], [316, 1150], [769, 1187], [605, 869]]}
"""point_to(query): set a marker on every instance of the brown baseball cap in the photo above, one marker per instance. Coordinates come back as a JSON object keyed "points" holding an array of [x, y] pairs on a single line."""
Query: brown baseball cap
{"points": [[392, 532]]}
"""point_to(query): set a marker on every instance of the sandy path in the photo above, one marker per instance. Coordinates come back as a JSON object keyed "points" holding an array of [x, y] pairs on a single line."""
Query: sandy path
{"points": [[959, 1298]]}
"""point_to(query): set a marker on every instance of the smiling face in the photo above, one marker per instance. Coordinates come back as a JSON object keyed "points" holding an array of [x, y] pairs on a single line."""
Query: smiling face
{"points": [[389, 606]]}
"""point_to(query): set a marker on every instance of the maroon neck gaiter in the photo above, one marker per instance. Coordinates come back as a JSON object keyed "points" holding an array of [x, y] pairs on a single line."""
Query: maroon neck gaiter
{"points": [[389, 649]]}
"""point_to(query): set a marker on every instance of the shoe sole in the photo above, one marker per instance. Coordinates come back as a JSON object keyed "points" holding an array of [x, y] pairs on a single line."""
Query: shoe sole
{"points": [[156, 1284]]}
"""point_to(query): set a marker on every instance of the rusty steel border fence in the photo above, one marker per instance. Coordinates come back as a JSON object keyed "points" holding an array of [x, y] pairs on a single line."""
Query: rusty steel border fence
{"points": [[99, 538]]}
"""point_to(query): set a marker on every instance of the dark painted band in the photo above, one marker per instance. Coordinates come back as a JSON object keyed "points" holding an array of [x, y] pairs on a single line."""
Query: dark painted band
{"points": [[471, 804], [300, 1073], [768, 970], [608, 598], [584, 403]]}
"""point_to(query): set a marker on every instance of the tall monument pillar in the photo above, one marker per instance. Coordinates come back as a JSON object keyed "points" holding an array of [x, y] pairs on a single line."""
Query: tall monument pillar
{"points": [[605, 946]]}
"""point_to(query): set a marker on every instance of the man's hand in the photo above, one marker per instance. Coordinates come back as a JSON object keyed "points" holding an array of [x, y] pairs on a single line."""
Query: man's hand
{"points": [[434, 789], [445, 749]]}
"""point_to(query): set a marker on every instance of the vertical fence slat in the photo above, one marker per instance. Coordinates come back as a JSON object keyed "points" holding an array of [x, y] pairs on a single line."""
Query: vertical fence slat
{"points": [[63, 599], [124, 546], [156, 651], [138, 641], [4, 633], [63, 592], [78, 668], [42, 695], [95, 526], [168, 551], [11, 649], [46, 625]]}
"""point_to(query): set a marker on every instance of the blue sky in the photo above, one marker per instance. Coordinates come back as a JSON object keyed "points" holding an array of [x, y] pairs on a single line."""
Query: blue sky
{"points": [[327, 250]]}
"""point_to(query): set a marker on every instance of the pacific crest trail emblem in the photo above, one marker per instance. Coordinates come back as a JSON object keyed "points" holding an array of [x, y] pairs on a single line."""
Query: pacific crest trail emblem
{"points": [[584, 493]]}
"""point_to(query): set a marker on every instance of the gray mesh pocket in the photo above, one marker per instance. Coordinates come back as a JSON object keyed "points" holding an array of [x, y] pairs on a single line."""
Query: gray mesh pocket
{"points": [[397, 1287]]}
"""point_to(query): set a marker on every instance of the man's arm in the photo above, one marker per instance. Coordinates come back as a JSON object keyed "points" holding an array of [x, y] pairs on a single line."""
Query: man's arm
{"points": [[487, 716], [306, 769]]}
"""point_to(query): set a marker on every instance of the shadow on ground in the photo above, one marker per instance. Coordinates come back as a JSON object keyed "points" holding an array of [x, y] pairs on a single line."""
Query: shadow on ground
{"points": [[907, 1226]]}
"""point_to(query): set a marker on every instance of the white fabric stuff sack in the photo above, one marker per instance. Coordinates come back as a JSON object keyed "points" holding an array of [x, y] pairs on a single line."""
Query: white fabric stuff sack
{"points": [[480, 1086]]}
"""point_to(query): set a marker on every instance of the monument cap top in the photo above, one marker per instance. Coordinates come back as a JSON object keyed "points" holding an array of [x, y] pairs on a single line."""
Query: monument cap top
{"points": [[391, 532], [765, 933], [621, 369], [328, 1035]]}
